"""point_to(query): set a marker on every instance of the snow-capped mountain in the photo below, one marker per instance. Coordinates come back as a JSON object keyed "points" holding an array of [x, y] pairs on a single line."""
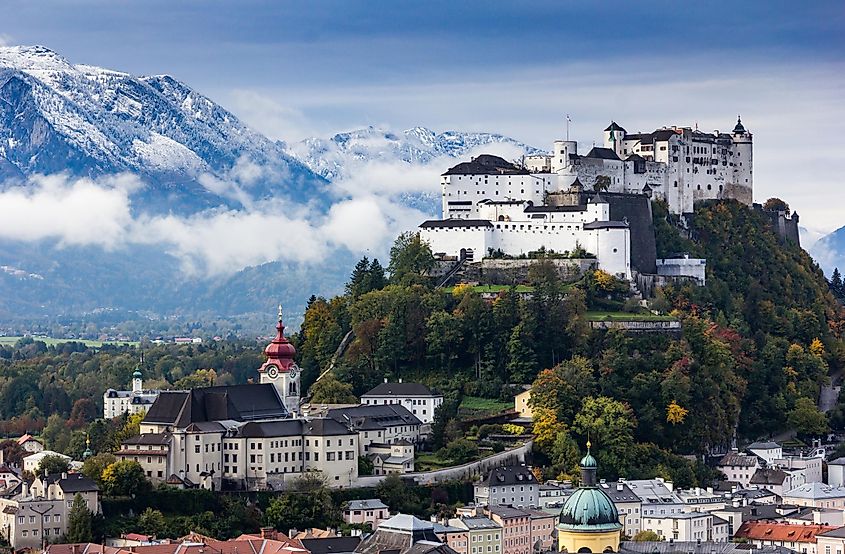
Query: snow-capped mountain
{"points": [[338, 156], [829, 251], [90, 121]]}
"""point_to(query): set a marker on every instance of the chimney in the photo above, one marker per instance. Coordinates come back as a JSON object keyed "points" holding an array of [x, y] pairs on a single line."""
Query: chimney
{"points": [[64, 475], [817, 517], [385, 379], [24, 489], [619, 487], [400, 379]]}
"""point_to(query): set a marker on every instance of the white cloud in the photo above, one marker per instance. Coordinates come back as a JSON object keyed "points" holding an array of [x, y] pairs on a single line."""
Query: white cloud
{"points": [[75, 212], [271, 116], [6, 40], [215, 242]]}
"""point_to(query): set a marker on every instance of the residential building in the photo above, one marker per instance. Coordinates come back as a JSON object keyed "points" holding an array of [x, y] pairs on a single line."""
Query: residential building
{"points": [[512, 486], [776, 479], [816, 495], [702, 500], [39, 513], [269, 542], [808, 467], [391, 458], [516, 528], [799, 538], [542, 529], [628, 505], [417, 398], [704, 547], [331, 545], [31, 462], [553, 494], [688, 527], [657, 495], [739, 468], [479, 535], [817, 516], [30, 444], [831, 542], [8, 477], [371, 511], [522, 404], [767, 451], [836, 472], [404, 534]]}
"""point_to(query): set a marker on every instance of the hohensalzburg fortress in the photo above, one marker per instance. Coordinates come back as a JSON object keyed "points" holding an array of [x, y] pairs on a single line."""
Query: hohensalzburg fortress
{"points": [[565, 200]]}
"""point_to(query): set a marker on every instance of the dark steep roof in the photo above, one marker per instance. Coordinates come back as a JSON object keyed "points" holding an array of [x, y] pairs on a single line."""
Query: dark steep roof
{"points": [[737, 459], [331, 545], [768, 476], [375, 417], [72, 482], [614, 127], [603, 153], [486, 164], [400, 389], [233, 402], [605, 225], [149, 438], [510, 475]]}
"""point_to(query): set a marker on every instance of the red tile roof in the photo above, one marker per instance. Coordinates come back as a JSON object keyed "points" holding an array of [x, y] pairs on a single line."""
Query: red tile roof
{"points": [[784, 532]]}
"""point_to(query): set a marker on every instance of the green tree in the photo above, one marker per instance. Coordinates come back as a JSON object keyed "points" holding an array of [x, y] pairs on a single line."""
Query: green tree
{"points": [[776, 205], [610, 425], [55, 434], [602, 183], [308, 504], [806, 418], [52, 464], [410, 259], [152, 522], [329, 390], [647, 536], [79, 522], [365, 466], [94, 466], [459, 451], [125, 478]]}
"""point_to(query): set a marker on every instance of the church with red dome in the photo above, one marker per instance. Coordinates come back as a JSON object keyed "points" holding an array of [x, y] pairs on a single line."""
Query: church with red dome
{"points": [[280, 369]]}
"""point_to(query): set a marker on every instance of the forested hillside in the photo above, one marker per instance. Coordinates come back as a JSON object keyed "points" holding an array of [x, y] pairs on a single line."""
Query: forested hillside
{"points": [[758, 342]]}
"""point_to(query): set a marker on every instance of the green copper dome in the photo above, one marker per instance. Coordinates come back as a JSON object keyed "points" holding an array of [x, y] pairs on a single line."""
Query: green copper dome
{"points": [[589, 509], [588, 461], [137, 374]]}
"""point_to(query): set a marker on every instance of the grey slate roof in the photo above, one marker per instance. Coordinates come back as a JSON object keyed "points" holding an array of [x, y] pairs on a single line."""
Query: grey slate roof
{"points": [[233, 402], [160, 439], [331, 545], [704, 547], [374, 417], [404, 534], [737, 459], [73, 483], [510, 475], [368, 504], [763, 445], [602, 153], [768, 476], [616, 495], [401, 389]]}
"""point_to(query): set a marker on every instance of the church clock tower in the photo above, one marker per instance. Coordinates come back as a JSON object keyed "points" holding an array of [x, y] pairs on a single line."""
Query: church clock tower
{"points": [[280, 370]]}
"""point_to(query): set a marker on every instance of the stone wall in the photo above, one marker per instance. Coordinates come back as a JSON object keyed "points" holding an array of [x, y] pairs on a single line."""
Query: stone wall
{"points": [[508, 272], [465, 472]]}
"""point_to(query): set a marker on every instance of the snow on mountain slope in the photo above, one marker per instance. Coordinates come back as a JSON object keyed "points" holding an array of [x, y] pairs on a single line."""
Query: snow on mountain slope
{"points": [[339, 156], [86, 120]]}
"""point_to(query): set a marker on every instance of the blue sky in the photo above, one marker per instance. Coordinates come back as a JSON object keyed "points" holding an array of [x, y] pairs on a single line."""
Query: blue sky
{"points": [[293, 69]]}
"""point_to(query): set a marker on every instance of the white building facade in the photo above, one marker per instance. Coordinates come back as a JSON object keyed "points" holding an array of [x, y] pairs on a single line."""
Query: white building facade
{"points": [[415, 397], [119, 402]]}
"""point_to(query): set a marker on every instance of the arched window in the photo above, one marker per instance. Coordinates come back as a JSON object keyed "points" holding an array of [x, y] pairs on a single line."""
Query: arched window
{"points": [[584, 550]]}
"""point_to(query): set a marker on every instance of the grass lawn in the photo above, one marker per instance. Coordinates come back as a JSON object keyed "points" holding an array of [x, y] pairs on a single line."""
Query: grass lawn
{"points": [[483, 405], [624, 316], [428, 462], [52, 342]]}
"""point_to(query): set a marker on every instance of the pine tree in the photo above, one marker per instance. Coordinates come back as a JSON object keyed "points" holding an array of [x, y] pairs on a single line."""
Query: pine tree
{"points": [[836, 285], [378, 280], [79, 521], [358, 280]]}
